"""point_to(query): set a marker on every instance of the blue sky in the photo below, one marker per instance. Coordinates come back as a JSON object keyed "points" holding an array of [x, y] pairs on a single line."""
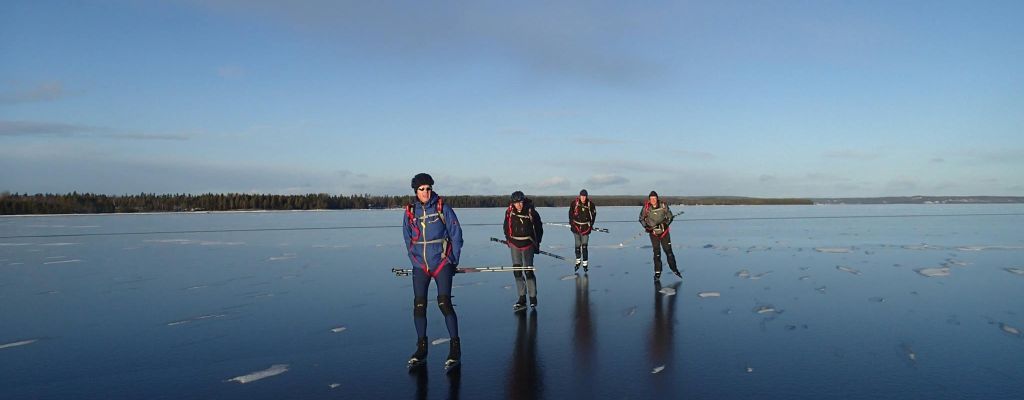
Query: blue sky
{"points": [[758, 98]]}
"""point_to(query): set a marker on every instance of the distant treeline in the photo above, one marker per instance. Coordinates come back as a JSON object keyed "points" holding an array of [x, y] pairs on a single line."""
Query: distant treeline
{"points": [[87, 203]]}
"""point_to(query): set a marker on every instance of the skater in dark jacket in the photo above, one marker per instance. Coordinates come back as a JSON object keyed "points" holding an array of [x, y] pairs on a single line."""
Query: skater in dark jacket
{"points": [[523, 231], [433, 238], [582, 213], [656, 218]]}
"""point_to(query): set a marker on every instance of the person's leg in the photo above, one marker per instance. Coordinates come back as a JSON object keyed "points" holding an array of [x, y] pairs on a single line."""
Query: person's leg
{"points": [[531, 279], [578, 239], [656, 246], [420, 281], [666, 244], [444, 300], [585, 240], [517, 261]]}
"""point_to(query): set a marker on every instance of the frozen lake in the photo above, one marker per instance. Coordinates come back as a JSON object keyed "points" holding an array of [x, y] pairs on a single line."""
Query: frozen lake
{"points": [[870, 302]]}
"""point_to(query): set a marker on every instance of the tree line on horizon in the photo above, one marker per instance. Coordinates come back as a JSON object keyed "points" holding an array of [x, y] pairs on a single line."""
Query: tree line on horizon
{"points": [[89, 203]]}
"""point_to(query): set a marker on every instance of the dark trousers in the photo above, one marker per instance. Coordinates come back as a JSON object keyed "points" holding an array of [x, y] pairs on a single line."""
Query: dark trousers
{"points": [[659, 243]]}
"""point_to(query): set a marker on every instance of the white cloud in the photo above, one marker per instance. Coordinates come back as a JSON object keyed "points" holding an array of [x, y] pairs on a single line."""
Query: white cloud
{"points": [[553, 182]]}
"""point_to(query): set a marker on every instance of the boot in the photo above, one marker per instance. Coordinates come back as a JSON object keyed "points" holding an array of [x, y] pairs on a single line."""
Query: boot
{"points": [[454, 353], [584, 264], [521, 304], [420, 356], [533, 302]]}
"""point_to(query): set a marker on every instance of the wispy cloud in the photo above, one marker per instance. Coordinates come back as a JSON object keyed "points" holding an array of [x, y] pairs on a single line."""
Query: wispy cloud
{"points": [[849, 154], [553, 182], [46, 91], [230, 72], [556, 44], [699, 155], [593, 140], [65, 130], [605, 180]]}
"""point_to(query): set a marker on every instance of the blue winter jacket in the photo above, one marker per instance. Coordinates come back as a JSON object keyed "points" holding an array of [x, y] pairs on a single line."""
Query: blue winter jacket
{"points": [[425, 234]]}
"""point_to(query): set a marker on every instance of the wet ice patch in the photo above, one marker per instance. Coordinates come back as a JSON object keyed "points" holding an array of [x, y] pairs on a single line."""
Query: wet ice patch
{"points": [[339, 329], [933, 272], [274, 370], [848, 269], [1013, 270]]}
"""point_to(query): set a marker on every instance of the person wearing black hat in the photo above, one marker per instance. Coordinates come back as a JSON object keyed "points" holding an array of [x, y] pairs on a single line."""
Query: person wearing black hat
{"points": [[523, 232], [582, 213], [433, 238], [656, 218]]}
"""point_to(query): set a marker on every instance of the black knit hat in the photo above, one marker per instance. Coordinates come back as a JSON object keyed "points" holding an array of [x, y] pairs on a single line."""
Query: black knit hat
{"points": [[518, 196], [421, 179], [583, 192], [653, 194]]}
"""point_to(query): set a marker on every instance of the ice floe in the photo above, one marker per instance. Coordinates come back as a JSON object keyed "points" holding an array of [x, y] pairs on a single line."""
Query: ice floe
{"points": [[933, 272], [276, 369], [705, 295]]}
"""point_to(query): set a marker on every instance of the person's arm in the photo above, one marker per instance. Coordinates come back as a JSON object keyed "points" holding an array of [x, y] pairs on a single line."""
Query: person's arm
{"points": [[505, 227], [538, 227], [408, 234], [454, 234], [670, 216], [593, 213]]}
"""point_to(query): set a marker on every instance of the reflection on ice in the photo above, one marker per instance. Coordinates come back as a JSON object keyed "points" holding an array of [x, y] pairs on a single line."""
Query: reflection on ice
{"points": [[276, 369], [18, 343]]}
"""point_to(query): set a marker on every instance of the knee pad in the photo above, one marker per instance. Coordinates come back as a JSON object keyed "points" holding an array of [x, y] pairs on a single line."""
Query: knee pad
{"points": [[419, 307], [444, 302]]}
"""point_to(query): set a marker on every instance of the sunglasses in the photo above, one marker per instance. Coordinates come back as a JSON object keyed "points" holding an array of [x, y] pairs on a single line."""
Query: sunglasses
{"points": [[424, 189]]}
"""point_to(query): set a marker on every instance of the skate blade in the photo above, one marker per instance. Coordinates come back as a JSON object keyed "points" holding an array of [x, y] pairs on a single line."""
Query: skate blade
{"points": [[413, 364], [516, 309], [451, 365]]}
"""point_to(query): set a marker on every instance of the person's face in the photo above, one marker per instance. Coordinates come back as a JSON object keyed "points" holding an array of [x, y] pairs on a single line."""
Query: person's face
{"points": [[654, 200], [519, 205], [423, 193], [583, 197]]}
